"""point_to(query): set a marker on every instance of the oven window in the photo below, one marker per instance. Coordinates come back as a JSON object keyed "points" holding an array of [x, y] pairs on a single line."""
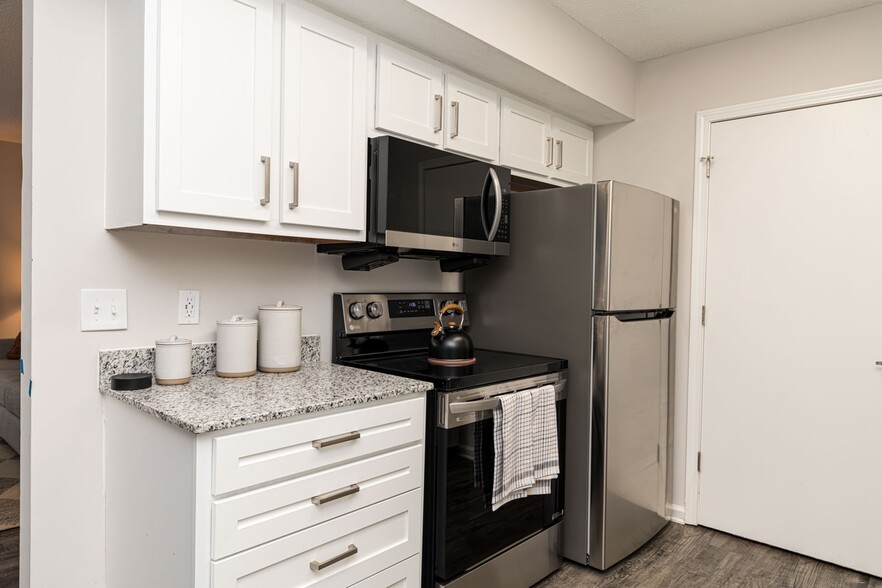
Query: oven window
{"points": [[468, 531]]}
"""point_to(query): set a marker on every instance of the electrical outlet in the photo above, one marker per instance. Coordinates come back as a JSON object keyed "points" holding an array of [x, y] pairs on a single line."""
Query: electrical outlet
{"points": [[103, 310], [188, 307]]}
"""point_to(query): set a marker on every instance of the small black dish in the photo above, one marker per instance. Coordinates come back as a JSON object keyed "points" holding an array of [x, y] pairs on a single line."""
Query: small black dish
{"points": [[131, 381]]}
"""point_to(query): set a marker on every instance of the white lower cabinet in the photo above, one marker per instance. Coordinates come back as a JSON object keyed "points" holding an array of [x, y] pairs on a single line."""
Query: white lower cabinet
{"points": [[337, 553], [403, 575], [340, 503], [268, 513]]}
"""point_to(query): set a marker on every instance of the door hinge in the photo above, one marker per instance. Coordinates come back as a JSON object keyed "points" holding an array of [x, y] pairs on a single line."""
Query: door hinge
{"points": [[706, 160], [699, 462], [703, 315]]}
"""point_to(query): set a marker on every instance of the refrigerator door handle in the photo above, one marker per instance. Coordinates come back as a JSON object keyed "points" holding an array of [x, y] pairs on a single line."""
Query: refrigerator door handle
{"points": [[650, 315]]}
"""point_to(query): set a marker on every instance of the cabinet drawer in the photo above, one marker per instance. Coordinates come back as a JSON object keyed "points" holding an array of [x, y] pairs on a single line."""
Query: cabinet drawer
{"points": [[403, 575], [259, 516], [275, 452], [340, 552]]}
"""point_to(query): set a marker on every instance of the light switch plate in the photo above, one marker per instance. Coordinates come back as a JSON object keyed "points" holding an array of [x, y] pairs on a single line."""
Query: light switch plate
{"points": [[103, 310]]}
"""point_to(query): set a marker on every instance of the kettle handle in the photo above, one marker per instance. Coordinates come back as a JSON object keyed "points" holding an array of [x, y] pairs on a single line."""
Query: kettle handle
{"points": [[455, 308]]}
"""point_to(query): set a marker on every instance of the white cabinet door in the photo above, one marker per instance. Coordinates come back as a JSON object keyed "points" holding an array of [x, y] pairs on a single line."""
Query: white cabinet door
{"points": [[324, 135], [403, 575], [339, 552], [410, 96], [472, 119], [573, 152], [215, 107], [526, 141]]}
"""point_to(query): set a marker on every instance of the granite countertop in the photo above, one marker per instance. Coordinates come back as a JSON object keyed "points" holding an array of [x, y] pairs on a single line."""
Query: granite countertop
{"points": [[209, 403]]}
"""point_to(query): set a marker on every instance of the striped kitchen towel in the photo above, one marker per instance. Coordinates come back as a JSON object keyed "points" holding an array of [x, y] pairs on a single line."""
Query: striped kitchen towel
{"points": [[545, 455], [513, 447], [525, 445]]}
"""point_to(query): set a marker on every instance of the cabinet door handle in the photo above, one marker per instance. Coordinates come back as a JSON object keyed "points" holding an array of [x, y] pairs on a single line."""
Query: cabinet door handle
{"points": [[455, 107], [559, 154], [317, 566], [295, 183], [439, 111], [335, 494], [265, 160], [328, 441], [549, 151]]}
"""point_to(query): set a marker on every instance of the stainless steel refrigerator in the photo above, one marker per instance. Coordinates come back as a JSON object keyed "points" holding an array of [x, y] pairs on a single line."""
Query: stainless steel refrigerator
{"points": [[592, 278]]}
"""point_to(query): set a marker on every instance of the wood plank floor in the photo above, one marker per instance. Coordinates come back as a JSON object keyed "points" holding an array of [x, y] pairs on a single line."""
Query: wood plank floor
{"points": [[9, 558], [680, 556], [684, 556]]}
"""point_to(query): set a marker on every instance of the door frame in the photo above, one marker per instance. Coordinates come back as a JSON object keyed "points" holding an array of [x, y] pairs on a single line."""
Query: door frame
{"points": [[695, 378]]}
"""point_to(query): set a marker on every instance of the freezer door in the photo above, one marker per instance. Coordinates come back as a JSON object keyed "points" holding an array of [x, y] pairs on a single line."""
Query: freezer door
{"points": [[636, 248], [629, 435]]}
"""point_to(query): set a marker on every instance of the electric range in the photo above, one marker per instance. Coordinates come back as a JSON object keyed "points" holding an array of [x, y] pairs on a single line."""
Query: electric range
{"points": [[465, 542]]}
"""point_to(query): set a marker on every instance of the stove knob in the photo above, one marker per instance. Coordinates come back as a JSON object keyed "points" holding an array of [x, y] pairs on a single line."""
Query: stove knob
{"points": [[375, 310], [356, 310]]}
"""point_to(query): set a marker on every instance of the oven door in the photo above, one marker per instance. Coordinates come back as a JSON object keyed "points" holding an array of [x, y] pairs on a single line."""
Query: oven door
{"points": [[429, 199], [468, 532]]}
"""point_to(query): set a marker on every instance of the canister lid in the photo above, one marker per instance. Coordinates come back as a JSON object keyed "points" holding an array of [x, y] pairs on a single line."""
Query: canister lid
{"points": [[237, 320], [173, 340], [279, 305]]}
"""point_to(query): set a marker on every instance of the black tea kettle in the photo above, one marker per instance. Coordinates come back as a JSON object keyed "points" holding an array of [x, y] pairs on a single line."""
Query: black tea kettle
{"points": [[450, 345]]}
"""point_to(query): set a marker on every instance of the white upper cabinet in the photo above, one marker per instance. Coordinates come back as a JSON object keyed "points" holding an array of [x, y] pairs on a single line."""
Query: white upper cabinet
{"points": [[534, 141], [526, 138], [473, 119], [573, 152], [410, 96], [323, 163], [215, 108]]}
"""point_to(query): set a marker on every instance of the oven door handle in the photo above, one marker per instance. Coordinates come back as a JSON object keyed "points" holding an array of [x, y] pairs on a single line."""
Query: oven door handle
{"points": [[491, 403]]}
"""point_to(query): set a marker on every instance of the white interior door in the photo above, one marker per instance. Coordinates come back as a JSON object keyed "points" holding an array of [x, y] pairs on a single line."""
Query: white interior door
{"points": [[324, 134], [791, 442], [215, 107]]}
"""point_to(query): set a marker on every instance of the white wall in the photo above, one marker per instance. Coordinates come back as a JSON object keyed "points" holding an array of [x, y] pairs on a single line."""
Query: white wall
{"points": [[657, 151], [71, 250], [10, 239]]}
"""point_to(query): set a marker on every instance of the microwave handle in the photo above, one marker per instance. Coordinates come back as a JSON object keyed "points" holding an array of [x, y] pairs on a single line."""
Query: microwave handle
{"points": [[492, 179]]}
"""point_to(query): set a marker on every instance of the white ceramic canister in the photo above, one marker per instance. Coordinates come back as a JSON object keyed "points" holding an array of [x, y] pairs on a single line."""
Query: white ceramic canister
{"points": [[173, 360], [278, 343], [236, 347]]}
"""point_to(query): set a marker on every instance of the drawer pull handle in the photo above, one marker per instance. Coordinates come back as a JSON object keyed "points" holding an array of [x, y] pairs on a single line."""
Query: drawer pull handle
{"points": [[317, 566], [328, 441], [335, 494]]}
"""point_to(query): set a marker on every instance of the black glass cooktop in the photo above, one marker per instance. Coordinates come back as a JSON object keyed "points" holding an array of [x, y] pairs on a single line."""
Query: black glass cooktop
{"points": [[492, 367]]}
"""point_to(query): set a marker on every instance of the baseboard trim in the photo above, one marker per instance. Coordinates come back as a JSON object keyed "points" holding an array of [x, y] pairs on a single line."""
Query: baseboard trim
{"points": [[676, 513]]}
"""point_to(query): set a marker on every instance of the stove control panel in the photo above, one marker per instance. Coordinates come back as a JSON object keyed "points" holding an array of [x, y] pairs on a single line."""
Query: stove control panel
{"points": [[380, 313]]}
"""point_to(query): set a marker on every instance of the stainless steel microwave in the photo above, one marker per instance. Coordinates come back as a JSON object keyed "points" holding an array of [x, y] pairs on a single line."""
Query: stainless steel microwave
{"points": [[428, 203]]}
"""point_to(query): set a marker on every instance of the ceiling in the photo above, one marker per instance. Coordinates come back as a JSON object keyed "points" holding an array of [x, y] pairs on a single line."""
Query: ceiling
{"points": [[10, 70], [646, 29]]}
